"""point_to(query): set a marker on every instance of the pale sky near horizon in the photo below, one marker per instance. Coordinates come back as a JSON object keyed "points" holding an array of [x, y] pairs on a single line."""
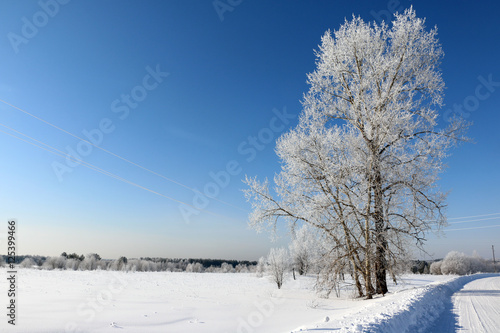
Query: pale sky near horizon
{"points": [[199, 97]]}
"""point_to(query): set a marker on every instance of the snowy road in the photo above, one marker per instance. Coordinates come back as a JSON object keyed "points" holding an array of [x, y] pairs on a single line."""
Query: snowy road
{"points": [[477, 305], [473, 308], [468, 303]]}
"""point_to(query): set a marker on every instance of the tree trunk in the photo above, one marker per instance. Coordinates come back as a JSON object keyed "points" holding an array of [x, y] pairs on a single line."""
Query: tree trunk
{"points": [[356, 280], [380, 239], [368, 255], [380, 262]]}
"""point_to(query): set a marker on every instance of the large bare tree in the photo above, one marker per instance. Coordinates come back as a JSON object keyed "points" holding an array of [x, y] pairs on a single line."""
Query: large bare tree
{"points": [[363, 162]]}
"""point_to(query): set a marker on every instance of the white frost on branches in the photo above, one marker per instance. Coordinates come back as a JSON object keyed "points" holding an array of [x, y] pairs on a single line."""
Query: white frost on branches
{"points": [[363, 162]]}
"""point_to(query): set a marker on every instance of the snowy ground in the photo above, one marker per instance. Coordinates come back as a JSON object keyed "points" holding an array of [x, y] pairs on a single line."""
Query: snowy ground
{"points": [[473, 308], [478, 306], [101, 301]]}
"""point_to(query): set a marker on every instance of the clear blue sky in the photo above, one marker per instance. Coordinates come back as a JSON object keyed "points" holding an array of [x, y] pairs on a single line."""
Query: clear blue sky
{"points": [[217, 80]]}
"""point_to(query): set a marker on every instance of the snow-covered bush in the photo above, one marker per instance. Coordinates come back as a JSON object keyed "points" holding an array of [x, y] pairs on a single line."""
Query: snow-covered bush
{"points": [[241, 268], [54, 263], [140, 265], [478, 264], [211, 269], [103, 265], [194, 267], [90, 262], [119, 264], [72, 264], [226, 268], [436, 268], [455, 263], [27, 263]]}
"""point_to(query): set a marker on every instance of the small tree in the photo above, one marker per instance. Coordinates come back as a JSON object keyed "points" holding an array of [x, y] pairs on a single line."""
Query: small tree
{"points": [[27, 263], [261, 267], [194, 267], [436, 268], [241, 268], [456, 263], [72, 264], [226, 268], [54, 263], [304, 249], [89, 262], [120, 264], [278, 265]]}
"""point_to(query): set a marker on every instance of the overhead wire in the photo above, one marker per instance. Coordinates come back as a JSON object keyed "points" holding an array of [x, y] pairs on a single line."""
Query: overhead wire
{"points": [[60, 153], [467, 217], [121, 157], [93, 167], [474, 220], [471, 228], [477, 220]]}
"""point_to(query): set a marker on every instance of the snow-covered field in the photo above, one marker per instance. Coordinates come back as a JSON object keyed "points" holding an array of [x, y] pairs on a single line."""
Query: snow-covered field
{"points": [[104, 301]]}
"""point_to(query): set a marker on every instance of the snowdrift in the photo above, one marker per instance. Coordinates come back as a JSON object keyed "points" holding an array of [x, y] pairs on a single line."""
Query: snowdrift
{"points": [[415, 311]]}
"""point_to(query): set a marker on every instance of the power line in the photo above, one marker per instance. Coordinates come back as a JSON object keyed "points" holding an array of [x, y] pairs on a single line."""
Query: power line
{"points": [[60, 153], [489, 218], [120, 157], [466, 217], [488, 226]]}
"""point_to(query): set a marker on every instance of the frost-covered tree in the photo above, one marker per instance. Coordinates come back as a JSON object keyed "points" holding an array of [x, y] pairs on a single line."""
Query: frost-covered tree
{"points": [[278, 263], [362, 164], [456, 263], [90, 262], [241, 268], [436, 268], [27, 263], [261, 267], [304, 249], [72, 264], [226, 268], [54, 263], [194, 267], [119, 264]]}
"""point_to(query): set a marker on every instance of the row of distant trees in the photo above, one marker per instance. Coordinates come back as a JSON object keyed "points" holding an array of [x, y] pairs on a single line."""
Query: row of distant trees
{"points": [[93, 261]]}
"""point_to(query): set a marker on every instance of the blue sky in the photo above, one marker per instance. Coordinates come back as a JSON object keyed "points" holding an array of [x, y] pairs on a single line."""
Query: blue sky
{"points": [[193, 94]]}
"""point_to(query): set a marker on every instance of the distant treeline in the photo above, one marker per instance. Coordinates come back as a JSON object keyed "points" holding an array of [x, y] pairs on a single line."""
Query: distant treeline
{"points": [[94, 261], [39, 260], [206, 263]]}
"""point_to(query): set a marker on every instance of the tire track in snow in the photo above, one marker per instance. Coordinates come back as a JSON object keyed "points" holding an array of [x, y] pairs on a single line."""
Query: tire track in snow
{"points": [[477, 306]]}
